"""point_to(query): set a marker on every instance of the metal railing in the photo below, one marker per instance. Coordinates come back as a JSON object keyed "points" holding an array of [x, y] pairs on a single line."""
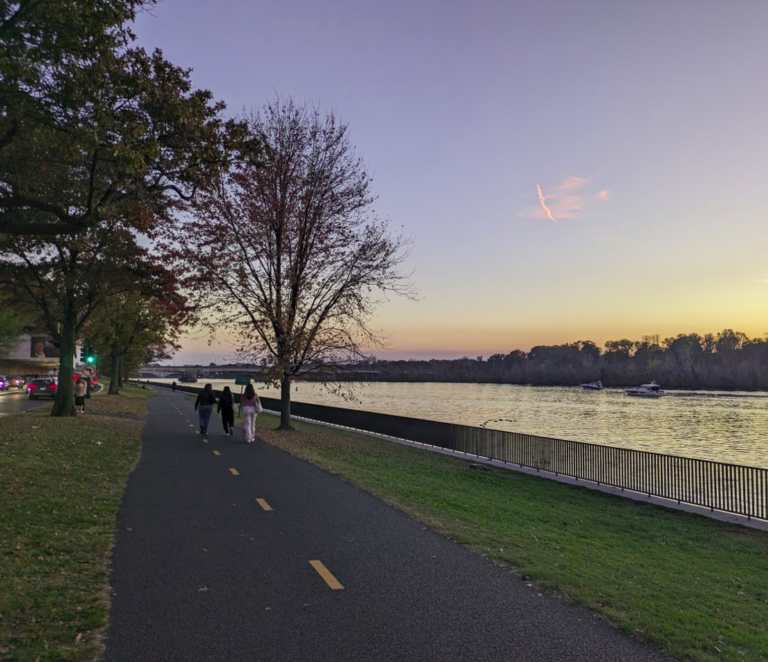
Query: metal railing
{"points": [[720, 486]]}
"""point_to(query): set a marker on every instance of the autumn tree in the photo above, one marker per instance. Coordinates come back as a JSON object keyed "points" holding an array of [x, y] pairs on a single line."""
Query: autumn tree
{"points": [[290, 257], [149, 316], [63, 279], [90, 124]]}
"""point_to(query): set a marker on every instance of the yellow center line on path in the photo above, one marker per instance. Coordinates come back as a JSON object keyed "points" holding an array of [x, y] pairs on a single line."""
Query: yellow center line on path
{"points": [[263, 504], [234, 472], [216, 453], [326, 575], [205, 441]]}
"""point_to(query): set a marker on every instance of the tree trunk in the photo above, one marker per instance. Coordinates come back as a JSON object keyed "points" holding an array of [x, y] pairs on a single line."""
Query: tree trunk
{"points": [[120, 371], [64, 404], [285, 404], [114, 386]]}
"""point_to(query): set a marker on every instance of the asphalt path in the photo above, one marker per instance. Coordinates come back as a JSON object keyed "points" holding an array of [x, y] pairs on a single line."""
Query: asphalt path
{"points": [[202, 571]]}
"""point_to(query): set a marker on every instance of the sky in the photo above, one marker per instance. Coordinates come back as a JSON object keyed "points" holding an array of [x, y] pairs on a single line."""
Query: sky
{"points": [[566, 170]]}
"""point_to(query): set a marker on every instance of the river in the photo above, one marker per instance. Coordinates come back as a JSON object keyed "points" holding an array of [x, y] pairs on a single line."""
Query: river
{"points": [[722, 426]]}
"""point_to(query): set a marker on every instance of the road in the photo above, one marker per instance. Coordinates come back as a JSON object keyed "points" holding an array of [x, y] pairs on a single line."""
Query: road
{"points": [[13, 402], [234, 552]]}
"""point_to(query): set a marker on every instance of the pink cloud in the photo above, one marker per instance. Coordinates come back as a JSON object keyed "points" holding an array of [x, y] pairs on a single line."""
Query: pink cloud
{"points": [[566, 200], [543, 203], [603, 195]]}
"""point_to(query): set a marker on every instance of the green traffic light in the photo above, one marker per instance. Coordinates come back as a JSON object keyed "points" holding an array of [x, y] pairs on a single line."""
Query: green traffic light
{"points": [[90, 359]]}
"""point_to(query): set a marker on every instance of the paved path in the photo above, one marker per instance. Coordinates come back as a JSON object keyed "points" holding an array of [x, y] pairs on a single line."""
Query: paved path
{"points": [[203, 573]]}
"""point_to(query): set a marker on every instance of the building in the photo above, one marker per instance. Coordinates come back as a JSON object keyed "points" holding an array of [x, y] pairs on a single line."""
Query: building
{"points": [[33, 354]]}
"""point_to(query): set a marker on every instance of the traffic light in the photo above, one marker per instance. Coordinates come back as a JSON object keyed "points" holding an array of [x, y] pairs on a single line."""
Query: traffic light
{"points": [[87, 355]]}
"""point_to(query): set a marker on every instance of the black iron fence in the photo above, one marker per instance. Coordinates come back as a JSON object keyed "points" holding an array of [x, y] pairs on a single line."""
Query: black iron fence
{"points": [[715, 485]]}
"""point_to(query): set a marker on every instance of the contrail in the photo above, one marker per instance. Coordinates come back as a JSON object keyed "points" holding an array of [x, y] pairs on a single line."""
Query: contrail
{"points": [[543, 204]]}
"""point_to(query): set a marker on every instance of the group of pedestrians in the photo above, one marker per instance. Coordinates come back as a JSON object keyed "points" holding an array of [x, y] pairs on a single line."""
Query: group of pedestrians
{"points": [[225, 405]]}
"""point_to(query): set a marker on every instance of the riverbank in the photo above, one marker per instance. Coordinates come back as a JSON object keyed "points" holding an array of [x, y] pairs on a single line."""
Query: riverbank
{"points": [[62, 482], [696, 588]]}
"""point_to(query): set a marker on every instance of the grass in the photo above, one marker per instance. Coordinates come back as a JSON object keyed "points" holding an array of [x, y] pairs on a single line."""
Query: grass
{"points": [[61, 482], [694, 587]]}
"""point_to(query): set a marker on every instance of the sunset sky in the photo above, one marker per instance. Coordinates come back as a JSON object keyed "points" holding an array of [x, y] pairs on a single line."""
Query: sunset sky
{"points": [[643, 125]]}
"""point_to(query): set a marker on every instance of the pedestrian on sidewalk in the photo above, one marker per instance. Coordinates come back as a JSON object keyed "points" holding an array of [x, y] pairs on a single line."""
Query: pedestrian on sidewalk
{"points": [[227, 410], [173, 387], [251, 407], [204, 406], [80, 389]]}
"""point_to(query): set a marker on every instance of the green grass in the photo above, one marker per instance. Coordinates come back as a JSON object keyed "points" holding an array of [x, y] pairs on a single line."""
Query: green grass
{"points": [[61, 482], [694, 587]]}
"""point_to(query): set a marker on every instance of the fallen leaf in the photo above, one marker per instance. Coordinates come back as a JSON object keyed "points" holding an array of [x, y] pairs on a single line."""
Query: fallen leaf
{"points": [[78, 638], [267, 608], [203, 588]]}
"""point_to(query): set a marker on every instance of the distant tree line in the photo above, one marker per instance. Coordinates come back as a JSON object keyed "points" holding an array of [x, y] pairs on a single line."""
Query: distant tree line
{"points": [[729, 360]]}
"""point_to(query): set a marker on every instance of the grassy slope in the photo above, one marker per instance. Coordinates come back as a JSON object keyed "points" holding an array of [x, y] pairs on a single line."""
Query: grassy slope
{"points": [[61, 482], [696, 588]]}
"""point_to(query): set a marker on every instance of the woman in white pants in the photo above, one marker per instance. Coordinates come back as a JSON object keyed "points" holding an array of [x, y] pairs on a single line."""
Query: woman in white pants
{"points": [[251, 406]]}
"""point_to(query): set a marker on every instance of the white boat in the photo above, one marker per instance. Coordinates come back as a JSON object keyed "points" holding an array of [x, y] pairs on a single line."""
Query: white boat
{"points": [[593, 386], [652, 390]]}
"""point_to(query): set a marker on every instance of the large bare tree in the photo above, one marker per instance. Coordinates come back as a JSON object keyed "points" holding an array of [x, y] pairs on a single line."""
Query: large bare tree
{"points": [[289, 256]]}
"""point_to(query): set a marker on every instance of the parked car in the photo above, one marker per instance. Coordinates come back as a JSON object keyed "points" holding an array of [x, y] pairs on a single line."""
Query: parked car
{"points": [[41, 388], [18, 382], [4, 386]]}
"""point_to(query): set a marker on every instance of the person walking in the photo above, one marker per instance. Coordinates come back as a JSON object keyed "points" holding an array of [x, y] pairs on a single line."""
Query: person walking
{"points": [[251, 407], [80, 390], [227, 410], [173, 387], [204, 407]]}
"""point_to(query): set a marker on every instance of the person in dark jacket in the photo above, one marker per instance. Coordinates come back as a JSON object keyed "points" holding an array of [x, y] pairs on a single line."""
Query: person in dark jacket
{"points": [[227, 410], [204, 406]]}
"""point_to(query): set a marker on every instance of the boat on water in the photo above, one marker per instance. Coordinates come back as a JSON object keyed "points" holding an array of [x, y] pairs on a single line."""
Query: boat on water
{"points": [[652, 390], [593, 386], [188, 378]]}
